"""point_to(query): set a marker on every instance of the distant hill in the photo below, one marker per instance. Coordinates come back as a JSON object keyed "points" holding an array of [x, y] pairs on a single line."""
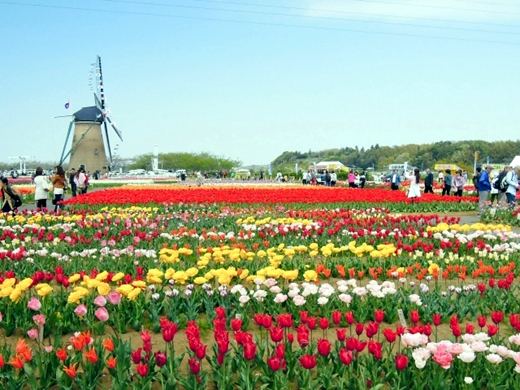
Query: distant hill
{"points": [[422, 156]]}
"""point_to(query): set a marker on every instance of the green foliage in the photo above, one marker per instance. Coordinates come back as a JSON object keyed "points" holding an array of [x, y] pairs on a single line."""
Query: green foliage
{"points": [[423, 156], [190, 161]]}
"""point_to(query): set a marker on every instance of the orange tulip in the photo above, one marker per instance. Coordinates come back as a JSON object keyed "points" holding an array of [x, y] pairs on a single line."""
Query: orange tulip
{"points": [[71, 370], [108, 344], [111, 362], [17, 362], [91, 355]]}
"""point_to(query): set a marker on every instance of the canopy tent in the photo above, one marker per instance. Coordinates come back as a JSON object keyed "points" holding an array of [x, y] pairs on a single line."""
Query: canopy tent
{"points": [[515, 162], [331, 166]]}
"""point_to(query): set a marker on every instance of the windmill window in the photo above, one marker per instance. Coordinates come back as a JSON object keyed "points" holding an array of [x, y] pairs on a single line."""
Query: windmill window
{"points": [[96, 152]]}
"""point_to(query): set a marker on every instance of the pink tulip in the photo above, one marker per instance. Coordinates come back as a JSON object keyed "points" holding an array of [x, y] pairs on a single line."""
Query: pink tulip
{"points": [[39, 319], [34, 304], [48, 348], [114, 298], [81, 310], [101, 314], [32, 333], [100, 301]]}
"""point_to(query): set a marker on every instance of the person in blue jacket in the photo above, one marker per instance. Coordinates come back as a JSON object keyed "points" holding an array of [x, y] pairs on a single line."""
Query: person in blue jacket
{"points": [[395, 180], [484, 187]]}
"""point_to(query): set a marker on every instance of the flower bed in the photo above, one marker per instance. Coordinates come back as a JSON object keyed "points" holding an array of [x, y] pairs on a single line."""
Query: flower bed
{"points": [[275, 195], [251, 295]]}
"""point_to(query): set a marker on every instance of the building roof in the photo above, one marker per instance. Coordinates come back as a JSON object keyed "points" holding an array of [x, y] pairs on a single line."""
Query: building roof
{"points": [[89, 114]]}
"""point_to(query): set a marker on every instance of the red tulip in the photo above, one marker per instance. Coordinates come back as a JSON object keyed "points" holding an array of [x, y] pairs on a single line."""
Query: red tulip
{"points": [[390, 335], [220, 312], [280, 351], [401, 361], [400, 330], [249, 351], [276, 334], [497, 317], [324, 323], [285, 320], [360, 345], [324, 347], [372, 329], [379, 315], [308, 361], [436, 319], [514, 320], [350, 317], [267, 321], [414, 316], [492, 330], [359, 329], [341, 334], [456, 330], [201, 352], [194, 366], [482, 321], [336, 317], [236, 324], [376, 349], [345, 356], [274, 363], [142, 369], [311, 323], [470, 329], [136, 355], [303, 316], [160, 358]]}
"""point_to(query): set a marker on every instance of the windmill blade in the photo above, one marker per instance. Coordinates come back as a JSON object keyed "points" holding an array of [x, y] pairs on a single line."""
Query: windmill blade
{"points": [[62, 159], [98, 102], [115, 128], [108, 142]]}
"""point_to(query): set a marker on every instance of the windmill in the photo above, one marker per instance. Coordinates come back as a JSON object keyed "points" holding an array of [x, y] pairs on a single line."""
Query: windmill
{"points": [[88, 147]]}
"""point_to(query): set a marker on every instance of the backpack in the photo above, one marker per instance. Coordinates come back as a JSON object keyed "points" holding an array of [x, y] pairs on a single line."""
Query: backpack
{"points": [[86, 180], [476, 178], [501, 182]]}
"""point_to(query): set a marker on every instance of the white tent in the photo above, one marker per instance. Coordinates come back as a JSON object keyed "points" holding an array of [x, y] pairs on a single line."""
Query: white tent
{"points": [[515, 162], [331, 165]]}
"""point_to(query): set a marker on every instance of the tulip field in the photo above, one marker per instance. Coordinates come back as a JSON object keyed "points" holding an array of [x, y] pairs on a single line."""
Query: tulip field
{"points": [[166, 287]]}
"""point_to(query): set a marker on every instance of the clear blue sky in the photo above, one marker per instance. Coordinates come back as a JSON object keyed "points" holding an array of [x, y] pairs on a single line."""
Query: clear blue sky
{"points": [[188, 76]]}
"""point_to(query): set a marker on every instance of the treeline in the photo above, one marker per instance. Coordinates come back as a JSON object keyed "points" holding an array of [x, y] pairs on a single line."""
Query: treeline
{"points": [[420, 155], [204, 162]]}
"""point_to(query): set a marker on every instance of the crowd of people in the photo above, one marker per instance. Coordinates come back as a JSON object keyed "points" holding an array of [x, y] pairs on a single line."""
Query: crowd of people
{"points": [[76, 181]]}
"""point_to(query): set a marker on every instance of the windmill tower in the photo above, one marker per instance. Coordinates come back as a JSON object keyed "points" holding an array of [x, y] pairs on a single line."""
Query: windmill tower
{"points": [[88, 146]]}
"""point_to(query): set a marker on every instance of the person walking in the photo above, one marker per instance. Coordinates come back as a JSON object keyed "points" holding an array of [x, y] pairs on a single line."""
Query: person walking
{"points": [[333, 179], [11, 196], [351, 179], [458, 182], [484, 187], [327, 179], [428, 182], [415, 187], [447, 183], [58, 182], [41, 192], [72, 183], [362, 179], [495, 192], [79, 180], [512, 188], [440, 177], [502, 199], [395, 180]]}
